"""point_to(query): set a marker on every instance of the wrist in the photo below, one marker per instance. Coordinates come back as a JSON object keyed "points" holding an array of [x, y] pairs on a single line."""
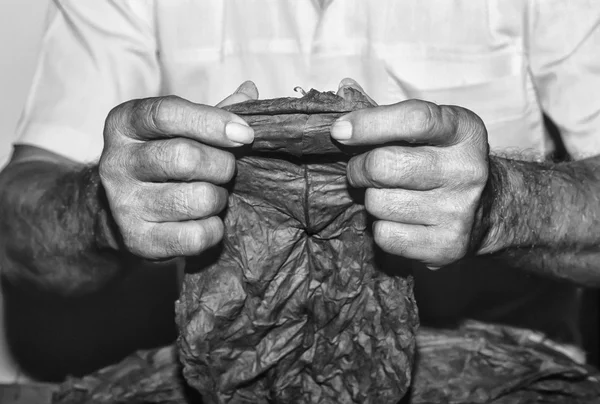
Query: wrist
{"points": [[106, 233], [490, 231]]}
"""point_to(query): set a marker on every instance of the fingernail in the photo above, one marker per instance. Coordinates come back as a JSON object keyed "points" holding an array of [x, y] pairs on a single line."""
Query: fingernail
{"points": [[341, 130], [236, 132], [247, 87], [432, 268], [347, 82]]}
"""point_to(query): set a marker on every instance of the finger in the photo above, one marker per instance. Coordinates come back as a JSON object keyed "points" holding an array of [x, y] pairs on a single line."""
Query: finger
{"points": [[175, 239], [170, 202], [166, 117], [351, 83], [180, 159], [245, 92], [412, 121], [417, 168], [409, 207], [426, 244]]}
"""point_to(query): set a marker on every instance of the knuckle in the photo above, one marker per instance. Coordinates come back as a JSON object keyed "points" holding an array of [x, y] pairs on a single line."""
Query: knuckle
{"points": [[123, 198], [125, 206], [160, 243], [210, 198], [383, 204], [471, 117], [454, 245], [475, 173], [465, 206], [455, 251], [387, 240], [463, 232], [198, 237], [159, 113], [117, 128], [186, 169], [189, 201], [200, 200], [185, 158], [116, 118], [470, 125], [179, 149], [116, 112], [455, 213], [439, 248], [450, 209], [220, 166], [464, 172], [118, 164], [156, 114], [135, 238], [422, 115], [191, 239], [451, 117], [376, 166], [176, 159], [119, 210], [438, 257]]}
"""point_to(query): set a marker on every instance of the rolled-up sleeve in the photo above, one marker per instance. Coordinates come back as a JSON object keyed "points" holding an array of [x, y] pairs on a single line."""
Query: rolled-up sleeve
{"points": [[95, 55], [564, 57]]}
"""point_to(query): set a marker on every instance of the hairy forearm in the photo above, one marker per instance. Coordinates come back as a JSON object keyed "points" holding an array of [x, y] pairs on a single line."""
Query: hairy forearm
{"points": [[57, 233], [545, 217]]}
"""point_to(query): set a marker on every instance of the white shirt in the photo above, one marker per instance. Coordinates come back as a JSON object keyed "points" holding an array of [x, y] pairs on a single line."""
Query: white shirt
{"points": [[507, 60]]}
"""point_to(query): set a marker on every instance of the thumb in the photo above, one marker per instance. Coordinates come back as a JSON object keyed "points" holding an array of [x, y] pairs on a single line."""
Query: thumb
{"points": [[351, 83], [246, 91]]}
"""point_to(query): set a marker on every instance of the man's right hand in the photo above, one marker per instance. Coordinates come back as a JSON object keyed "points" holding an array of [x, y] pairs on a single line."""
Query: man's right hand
{"points": [[163, 167]]}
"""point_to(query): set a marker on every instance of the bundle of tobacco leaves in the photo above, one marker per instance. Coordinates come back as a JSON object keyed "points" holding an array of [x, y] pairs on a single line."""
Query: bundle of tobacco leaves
{"points": [[475, 363], [297, 306]]}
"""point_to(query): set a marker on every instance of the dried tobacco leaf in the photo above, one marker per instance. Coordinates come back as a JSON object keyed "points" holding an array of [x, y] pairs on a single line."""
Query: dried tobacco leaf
{"points": [[474, 363], [298, 306]]}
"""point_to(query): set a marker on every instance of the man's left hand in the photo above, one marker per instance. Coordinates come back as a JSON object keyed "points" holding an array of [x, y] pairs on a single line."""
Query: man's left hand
{"points": [[425, 179]]}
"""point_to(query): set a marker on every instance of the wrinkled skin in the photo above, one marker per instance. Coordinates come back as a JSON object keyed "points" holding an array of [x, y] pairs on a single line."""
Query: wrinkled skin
{"points": [[424, 181], [298, 304], [163, 165]]}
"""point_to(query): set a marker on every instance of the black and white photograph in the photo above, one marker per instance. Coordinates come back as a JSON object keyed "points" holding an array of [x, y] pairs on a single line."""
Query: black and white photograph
{"points": [[299, 201]]}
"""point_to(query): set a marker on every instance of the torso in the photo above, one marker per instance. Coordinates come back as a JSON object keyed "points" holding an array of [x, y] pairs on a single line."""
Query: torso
{"points": [[466, 53]]}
